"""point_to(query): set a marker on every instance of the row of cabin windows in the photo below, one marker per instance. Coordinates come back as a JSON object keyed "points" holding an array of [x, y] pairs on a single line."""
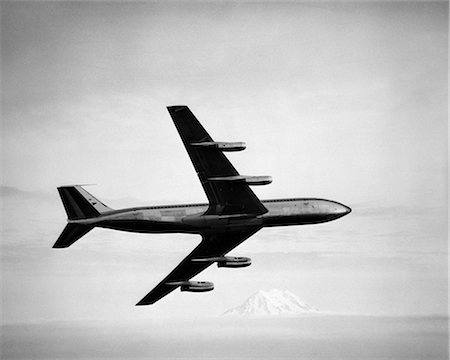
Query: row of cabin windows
{"points": [[279, 200], [197, 205], [177, 206]]}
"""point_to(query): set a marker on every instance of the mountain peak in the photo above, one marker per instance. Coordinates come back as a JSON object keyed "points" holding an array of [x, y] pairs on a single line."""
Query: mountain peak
{"points": [[273, 302]]}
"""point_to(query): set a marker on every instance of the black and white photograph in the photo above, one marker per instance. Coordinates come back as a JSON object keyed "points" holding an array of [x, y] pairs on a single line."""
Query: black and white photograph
{"points": [[224, 180]]}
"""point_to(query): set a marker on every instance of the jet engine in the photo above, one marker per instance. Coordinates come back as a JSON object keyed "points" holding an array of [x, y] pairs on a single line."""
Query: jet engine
{"points": [[197, 286], [227, 261], [193, 286], [234, 262], [221, 145], [251, 180]]}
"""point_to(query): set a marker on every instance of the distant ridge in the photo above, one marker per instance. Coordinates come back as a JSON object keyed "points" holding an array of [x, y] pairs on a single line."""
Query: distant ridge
{"points": [[124, 202], [13, 191], [273, 302]]}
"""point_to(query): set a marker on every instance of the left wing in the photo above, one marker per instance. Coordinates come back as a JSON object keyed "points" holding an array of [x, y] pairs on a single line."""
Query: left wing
{"points": [[227, 191], [213, 245]]}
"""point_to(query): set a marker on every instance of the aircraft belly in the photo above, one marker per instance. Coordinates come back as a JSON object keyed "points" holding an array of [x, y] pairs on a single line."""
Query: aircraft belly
{"points": [[222, 223], [189, 224], [147, 226], [297, 219]]}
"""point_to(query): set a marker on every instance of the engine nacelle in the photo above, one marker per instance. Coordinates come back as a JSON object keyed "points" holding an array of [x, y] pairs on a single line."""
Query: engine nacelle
{"points": [[258, 180], [193, 286], [234, 262], [226, 261], [221, 145], [250, 180], [198, 286]]}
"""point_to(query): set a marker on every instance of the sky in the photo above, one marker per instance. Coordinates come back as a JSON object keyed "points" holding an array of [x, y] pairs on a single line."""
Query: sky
{"points": [[342, 101], [355, 93]]}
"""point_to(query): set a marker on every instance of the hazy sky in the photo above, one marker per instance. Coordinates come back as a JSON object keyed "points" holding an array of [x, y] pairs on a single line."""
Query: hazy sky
{"points": [[339, 100], [346, 101]]}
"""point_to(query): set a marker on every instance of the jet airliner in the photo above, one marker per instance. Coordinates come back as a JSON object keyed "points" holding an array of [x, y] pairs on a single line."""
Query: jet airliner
{"points": [[233, 212]]}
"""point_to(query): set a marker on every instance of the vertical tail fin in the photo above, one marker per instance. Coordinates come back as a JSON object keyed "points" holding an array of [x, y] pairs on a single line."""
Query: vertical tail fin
{"points": [[79, 204]]}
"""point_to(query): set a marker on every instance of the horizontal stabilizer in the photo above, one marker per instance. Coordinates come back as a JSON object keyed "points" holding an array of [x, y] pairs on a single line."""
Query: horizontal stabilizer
{"points": [[70, 234]]}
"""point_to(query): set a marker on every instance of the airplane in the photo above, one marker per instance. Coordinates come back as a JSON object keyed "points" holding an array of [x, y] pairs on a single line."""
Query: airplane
{"points": [[233, 214]]}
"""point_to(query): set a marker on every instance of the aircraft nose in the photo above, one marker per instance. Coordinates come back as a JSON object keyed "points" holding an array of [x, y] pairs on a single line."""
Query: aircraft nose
{"points": [[342, 210], [347, 209]]}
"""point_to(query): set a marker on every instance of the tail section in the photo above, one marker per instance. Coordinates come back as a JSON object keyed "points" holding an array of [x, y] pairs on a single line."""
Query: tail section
{"points": [[79, 204]]}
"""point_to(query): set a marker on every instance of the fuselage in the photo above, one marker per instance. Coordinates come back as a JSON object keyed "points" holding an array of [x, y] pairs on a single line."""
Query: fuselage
{"points": [[193, 218]]}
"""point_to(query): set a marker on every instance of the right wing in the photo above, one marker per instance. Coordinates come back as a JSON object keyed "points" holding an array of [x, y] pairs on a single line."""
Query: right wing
{"points": [[213, 169], [214, 245]]}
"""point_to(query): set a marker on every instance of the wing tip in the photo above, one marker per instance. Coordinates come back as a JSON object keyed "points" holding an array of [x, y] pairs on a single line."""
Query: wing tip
{"points": [[140, 303], [144, 301], [173, 108]]}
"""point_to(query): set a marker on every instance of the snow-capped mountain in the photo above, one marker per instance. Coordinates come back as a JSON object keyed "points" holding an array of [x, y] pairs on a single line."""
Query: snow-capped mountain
{"points": [[273, 302]]}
